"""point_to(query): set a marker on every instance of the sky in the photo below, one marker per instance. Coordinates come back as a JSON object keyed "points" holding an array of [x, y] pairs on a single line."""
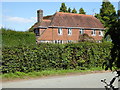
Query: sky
{"points": [[20, 16]]}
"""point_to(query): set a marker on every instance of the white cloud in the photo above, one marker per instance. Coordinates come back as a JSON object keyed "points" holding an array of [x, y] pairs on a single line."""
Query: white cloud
{"points": [[0, 26], [20, 19]]}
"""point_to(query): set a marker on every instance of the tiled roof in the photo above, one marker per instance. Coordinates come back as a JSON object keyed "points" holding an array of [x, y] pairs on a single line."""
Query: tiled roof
{"points": [[70, 20]]}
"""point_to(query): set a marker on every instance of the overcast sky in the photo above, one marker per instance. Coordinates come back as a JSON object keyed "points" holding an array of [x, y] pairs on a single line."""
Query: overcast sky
{"points": [[20, 16]]}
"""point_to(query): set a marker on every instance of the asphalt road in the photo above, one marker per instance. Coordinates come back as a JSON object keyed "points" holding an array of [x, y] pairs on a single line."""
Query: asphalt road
{"points": [[70, 81]]}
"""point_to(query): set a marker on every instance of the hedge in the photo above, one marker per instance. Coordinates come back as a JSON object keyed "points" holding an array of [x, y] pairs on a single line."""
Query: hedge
{"points": [[17, 38], [54, 56]]}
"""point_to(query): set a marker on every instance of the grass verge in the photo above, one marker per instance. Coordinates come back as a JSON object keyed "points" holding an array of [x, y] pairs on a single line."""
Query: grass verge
{"points": [[21, 75]]}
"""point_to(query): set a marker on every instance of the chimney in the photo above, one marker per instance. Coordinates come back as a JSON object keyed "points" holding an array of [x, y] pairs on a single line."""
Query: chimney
{"points": [[39, 15]]}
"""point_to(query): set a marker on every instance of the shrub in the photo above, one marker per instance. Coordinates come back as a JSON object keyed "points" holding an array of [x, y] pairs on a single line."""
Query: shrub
{"points": [[54, 56], [15, 38]]}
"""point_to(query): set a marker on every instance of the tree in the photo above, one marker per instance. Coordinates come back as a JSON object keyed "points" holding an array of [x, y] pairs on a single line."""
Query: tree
{"points": [[86, 38], [69, 10], [114, 32], [63, 8], [74, 11], [107, 13], [107, 16], [81, 11]]}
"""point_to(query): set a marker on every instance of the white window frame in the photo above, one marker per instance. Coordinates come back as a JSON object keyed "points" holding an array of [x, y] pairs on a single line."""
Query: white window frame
{"points": [[58, 41], [93, 32], [69, 41], [60, 32], [100, 33], [81, 31], [69, 31]]}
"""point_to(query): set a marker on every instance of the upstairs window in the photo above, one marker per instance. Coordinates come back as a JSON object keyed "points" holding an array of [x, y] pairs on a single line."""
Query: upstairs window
{"points": [[93, 33], [100, 33], [81, 31], [69, 31], [59, 31]]}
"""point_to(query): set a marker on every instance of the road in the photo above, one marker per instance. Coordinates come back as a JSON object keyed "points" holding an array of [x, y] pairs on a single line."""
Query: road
{"points": [[92, 80]]}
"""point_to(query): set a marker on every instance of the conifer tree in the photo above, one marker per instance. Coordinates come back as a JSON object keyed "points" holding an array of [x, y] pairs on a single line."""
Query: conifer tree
{"points": [[81, 11], [107, 13], [74, 11], [69, 10], [63, 8]]}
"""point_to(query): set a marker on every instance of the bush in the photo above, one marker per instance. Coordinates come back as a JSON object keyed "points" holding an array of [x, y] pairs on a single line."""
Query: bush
{"points": [[54, 56], [15, 38]]}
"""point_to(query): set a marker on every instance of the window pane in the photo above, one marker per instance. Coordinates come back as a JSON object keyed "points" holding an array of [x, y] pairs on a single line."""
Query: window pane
{"points": [[93, 32], [81, 31], [59, 31], [69, 31]]}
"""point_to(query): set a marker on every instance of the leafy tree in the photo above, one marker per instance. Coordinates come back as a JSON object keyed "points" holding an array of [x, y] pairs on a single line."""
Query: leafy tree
{"points": [[81, 11], [74, 11], [63, 8], [69, 10]]}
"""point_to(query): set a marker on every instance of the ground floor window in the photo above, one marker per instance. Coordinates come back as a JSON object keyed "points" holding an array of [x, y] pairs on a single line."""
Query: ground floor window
{"points": [[69, 41], [58, 41]]}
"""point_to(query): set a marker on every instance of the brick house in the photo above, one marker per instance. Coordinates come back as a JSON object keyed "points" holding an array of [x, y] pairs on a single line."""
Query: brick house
{"points": [[66, 27]]}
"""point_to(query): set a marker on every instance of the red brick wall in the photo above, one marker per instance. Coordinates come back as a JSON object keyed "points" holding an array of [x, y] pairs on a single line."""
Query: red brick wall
{"points": [[65, 36], [52, 34], [96, 37]]}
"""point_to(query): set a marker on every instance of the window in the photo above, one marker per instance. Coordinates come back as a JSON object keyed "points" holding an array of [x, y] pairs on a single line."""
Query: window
{"points": [[58, 41], [59, 31], [36, 31], [81, 31], [93, 33], [100, 33], [69, 31], [69, 41]]}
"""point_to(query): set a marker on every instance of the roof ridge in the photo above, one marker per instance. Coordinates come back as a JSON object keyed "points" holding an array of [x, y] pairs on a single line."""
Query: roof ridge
{"points": [[73, 13], [52, 18], [46, 20]]}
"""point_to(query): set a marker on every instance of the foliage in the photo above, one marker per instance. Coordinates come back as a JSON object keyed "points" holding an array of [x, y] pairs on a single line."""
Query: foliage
{"points": [[114, 32], [15, 38], [69, 10], [81, 11], [86, 37], [54, 56], [74, 11], [23, 75], [107, 13], [63, 8]]}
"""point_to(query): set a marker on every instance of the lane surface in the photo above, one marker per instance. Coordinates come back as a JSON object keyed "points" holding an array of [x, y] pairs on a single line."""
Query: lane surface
{"points": [[70, 81]]}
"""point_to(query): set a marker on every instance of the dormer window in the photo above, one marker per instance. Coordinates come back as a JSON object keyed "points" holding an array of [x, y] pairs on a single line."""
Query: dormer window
{"points": [[69, 31], [81, 31], [59, 31], [93, 33]]}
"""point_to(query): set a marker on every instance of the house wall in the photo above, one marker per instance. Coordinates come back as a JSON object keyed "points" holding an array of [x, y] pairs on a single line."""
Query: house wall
{"points": [[51, 35], [96, 37]]}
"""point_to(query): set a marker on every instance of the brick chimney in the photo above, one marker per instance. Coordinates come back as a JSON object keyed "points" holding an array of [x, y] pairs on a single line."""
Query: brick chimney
{"points": [[39, 15]]}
